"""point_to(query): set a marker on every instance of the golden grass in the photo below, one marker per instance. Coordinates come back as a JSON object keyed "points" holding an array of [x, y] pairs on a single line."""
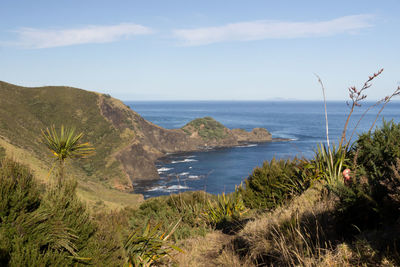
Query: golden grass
{"points": [[214, 249], [100, 198], [96, 195], [39, 169], [281, 234]]}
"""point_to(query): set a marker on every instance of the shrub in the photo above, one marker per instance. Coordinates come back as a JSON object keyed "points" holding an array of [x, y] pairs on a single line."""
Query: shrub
{"points": [[376, 156], [168, 209], [377, 152], [226, 210], [50, 229], [149, 246], [275, 182], [328, 164], [19, 195], [372, 197]]}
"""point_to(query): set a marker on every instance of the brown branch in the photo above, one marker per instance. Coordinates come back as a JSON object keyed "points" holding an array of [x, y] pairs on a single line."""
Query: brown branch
{"points": [[387, 100], [356, 97]]}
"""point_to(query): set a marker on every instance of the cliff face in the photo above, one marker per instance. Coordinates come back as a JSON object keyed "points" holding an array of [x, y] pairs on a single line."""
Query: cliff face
{"points": [[126, 144]]}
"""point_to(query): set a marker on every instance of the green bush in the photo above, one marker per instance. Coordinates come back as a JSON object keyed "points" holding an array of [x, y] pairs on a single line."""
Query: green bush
{"points": [[226, 211], [148, 246], [377, 157], [47, 229], [377, 152], [275, 182], [328, 164], [372, 197], [168, 210]]}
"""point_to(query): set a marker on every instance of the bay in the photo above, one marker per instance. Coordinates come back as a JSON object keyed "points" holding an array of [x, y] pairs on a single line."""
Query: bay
{"points": [[220, 170]]}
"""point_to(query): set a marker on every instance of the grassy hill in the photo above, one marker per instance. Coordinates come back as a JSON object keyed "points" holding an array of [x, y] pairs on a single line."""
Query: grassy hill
{"points": [[293, 212], [25, 112], [207, 128], [126, 145]]}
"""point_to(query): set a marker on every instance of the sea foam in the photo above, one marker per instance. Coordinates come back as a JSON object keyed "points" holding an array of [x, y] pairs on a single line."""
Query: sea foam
{"points": [[182, 161], [164, 169]]}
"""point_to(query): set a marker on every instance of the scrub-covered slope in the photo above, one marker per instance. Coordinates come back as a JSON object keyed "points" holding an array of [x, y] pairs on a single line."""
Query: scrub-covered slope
{"points": [[126, 144]]}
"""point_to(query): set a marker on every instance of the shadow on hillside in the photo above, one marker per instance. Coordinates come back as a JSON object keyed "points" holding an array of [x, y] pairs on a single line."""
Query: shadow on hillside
{"points": [[306, 239]]}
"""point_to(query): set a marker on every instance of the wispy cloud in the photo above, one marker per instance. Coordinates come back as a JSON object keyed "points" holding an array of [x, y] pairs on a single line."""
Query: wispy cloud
{"points": [[45, 38], [264, 29]]}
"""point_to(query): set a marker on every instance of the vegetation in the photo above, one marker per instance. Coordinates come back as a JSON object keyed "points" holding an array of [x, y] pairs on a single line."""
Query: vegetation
{"points": [[226, 210], [293, 212], [65, 145], [296, 218], [47, 229], [186, 207], [2, 152], [374, 191], [149, 246], [329, 163], [34, 109], [276, 182], [207, 128]]}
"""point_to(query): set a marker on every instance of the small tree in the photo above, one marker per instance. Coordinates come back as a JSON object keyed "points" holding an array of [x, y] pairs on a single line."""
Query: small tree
{"points": [[65, 145]]}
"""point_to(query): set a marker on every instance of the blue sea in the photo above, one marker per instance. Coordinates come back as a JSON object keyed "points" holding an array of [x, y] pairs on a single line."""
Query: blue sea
{"points": [[219, 170]]}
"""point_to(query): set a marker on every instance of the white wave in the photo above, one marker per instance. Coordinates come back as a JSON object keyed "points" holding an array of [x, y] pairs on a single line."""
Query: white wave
{"points": [[193, 176], [183, 174], [163, 169], [190, 167], [191, 156], [163, 188], [156, 188], [250, 145], [182, 161], [176, 187], [283, 134]]}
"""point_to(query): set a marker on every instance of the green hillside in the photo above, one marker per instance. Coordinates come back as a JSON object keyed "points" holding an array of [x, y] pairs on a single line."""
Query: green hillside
{"points": [[126, 145], [207, 128], [25, 112]]}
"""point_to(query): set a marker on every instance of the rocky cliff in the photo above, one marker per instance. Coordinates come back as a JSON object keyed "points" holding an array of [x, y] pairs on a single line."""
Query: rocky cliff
{"points": [[126, 144]]}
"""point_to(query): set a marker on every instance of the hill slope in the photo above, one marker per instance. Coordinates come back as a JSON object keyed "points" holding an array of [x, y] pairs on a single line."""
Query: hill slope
{"points": [[126, 144]]}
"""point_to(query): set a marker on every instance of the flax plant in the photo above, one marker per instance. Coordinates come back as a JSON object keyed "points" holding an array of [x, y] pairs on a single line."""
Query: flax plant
{"points": [[64, 145], [225, 208], [330, 161], [150, 246]]}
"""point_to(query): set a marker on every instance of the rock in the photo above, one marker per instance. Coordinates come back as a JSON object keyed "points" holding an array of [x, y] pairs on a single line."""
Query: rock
{"points": [[126, 145]]}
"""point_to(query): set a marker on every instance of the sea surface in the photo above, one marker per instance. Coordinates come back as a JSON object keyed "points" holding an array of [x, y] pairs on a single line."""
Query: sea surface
{"points": [[219, 170]]}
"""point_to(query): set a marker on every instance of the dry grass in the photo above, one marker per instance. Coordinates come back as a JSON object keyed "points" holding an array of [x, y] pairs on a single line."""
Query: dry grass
{"points": [[96, 195], [265, 235], [302, 233], [214, 249], [25, 157], [291, 234], [99, 197]]}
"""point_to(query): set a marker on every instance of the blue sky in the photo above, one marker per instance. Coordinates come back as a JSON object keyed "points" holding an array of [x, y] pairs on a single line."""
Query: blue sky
{"points": [[202, 50]]}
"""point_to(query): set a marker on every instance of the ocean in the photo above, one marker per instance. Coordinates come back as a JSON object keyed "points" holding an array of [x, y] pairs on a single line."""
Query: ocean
{"points": [[219, 170]]}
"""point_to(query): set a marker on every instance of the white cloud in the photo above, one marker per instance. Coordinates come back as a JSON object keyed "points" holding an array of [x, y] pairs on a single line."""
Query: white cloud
{"points": [[264, 29], [43, 38]]}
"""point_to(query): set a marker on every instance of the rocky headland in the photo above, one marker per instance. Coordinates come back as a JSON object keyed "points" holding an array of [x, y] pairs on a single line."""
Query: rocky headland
{"points": [[127, 145]]}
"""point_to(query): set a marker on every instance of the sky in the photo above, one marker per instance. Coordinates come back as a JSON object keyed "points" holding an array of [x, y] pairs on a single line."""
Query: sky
{"points": [[202, 50]]}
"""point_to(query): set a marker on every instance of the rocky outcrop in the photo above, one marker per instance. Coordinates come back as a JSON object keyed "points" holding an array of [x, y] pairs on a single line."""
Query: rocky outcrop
{"points": [[257, 135], [126, 145], [151, 142]]}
